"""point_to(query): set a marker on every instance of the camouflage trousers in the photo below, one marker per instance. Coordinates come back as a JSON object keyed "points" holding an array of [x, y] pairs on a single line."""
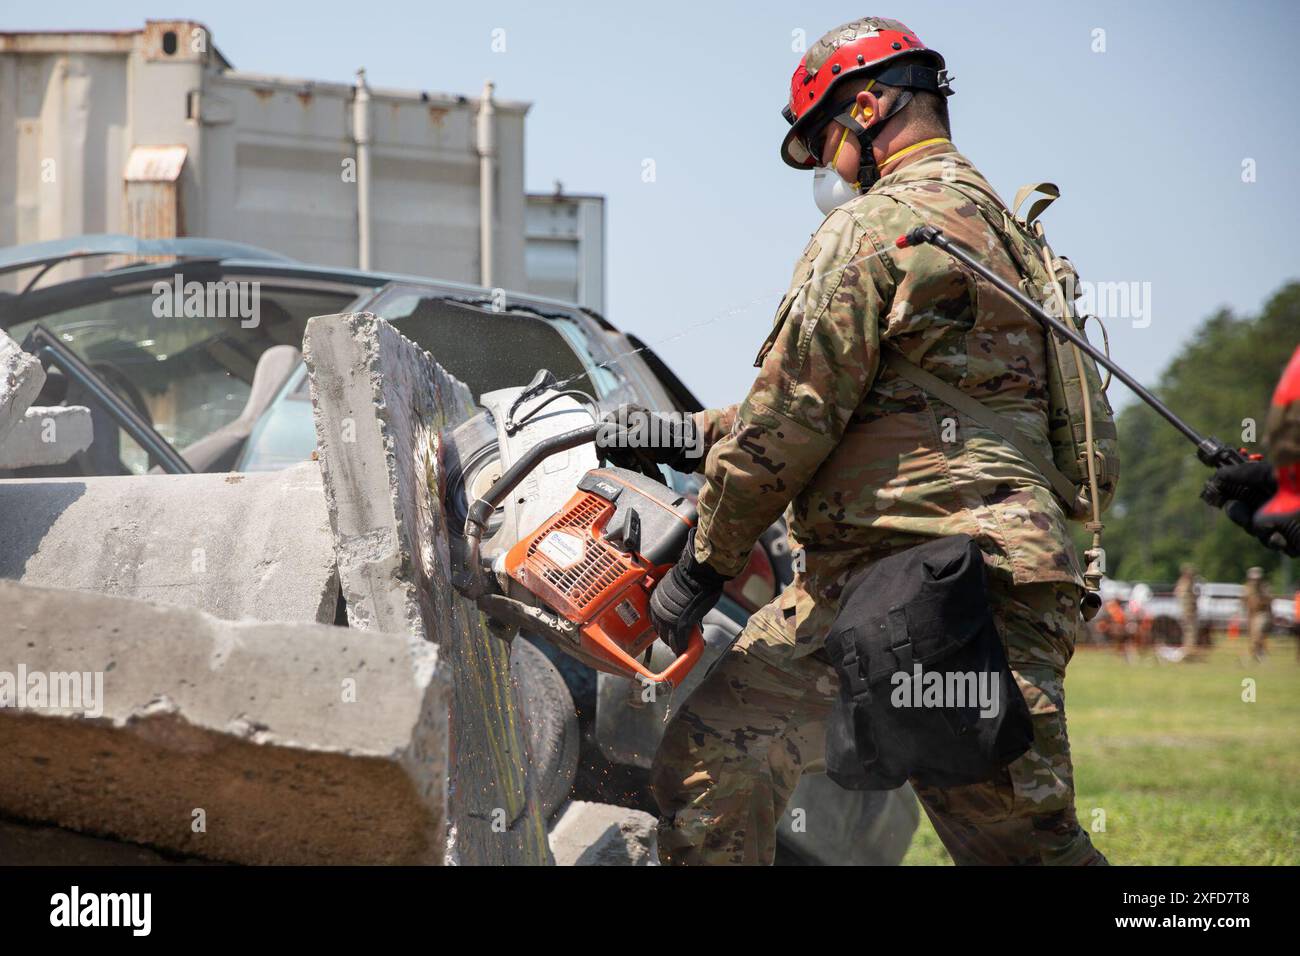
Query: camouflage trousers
{"points": [[732, 756]]}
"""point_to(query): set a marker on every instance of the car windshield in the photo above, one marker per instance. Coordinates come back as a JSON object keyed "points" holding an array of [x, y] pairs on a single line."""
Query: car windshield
{"points": [[485, 350], [489, 350], [188, 375]]}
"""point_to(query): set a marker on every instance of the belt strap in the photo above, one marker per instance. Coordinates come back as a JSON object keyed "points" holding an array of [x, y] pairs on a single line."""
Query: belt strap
{"points": [[977, 410]]}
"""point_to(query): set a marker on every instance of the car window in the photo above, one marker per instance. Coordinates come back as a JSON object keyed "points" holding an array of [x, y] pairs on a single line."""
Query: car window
{"points": [[606, 381], [188, 375], [285, 434], [489, 350], [485, 350]]}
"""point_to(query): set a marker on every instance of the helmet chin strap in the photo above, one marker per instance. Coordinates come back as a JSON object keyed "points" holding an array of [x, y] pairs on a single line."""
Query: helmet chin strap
{"points": [[868, 171]]}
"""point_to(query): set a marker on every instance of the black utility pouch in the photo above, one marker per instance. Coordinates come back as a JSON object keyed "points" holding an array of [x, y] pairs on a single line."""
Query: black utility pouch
{"points": [[925, 688]]}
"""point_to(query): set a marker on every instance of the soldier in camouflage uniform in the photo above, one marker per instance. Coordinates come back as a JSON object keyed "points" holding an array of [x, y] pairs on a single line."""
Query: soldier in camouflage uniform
{"points": [[868, 464], [1257, 601], [1186, 591]]}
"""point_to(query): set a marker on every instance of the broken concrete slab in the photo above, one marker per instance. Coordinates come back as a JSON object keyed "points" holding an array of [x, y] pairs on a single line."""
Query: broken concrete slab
{"points": [[602, 834], [238, 741], [21, 379], [236, 546], [380, 403], [47, 436]]}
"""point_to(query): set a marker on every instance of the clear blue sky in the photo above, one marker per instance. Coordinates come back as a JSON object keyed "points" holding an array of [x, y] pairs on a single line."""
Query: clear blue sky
{"points": [[1146, 139]]}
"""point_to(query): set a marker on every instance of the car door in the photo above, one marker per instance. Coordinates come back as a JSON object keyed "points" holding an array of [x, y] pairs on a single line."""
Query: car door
{"points": [[191, 374]]}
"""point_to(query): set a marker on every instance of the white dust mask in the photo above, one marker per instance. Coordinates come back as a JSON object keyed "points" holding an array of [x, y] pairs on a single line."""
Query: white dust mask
{"points": [[831, 190]]}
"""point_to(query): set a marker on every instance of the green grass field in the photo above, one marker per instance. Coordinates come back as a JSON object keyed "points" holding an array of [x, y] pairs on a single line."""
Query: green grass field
{"points": [[1185, 771]]}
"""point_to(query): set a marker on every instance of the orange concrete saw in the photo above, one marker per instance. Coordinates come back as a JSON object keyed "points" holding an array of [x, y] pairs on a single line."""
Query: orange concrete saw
{"points": [[583, 577]]}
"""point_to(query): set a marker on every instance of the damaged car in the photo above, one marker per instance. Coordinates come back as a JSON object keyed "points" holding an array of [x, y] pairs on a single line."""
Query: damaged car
{"points": [[187, 352]]}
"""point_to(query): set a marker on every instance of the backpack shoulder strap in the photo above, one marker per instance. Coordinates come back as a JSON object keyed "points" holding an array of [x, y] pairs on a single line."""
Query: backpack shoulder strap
{"points": [[1051, 192], [977, 410]]}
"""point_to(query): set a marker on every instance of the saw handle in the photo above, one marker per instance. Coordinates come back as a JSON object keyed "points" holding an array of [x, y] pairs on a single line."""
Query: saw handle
{"points": [[471, 580], [672, 675]]}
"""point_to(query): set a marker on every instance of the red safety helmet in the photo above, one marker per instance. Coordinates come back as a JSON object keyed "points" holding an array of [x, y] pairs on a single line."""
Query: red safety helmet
{"points": [[862, 47]]}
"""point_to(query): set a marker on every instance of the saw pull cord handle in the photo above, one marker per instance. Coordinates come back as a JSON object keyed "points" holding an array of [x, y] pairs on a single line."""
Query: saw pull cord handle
{"points": [[672, 675], [481, 510], [477, 518]]}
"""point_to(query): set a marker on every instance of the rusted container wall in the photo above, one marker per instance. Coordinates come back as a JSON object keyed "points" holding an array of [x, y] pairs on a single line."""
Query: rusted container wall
{"points": [[565, 248], [266, 157]]}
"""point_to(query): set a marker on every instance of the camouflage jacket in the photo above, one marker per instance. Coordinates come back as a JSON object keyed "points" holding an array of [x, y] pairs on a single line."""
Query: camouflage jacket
{"points": [[867, 462], [1186, 592]]}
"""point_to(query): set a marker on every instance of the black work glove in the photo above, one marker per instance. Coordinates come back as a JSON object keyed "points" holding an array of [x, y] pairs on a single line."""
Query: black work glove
{"points": [[1281, 531], [683, 597], [635, 436], [1241, 490]]}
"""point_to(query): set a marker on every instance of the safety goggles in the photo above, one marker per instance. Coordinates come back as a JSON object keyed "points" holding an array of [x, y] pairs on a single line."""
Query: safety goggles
{"points": [[814, 143], [814, 140]]}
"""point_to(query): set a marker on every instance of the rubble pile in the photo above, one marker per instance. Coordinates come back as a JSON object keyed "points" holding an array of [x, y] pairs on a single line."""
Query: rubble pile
{"points": [[222, 713], [34, 435]]}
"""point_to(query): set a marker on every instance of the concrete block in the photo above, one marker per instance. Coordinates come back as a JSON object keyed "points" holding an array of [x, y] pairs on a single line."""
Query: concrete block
{"points": [[236, 546], [47, 436], [21, 378], [601, 834], [238, 741], [380, 405]]}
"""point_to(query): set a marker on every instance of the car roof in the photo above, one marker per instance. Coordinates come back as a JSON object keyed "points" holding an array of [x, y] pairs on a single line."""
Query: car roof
{"points": [[55, 251], [238, 255]]}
